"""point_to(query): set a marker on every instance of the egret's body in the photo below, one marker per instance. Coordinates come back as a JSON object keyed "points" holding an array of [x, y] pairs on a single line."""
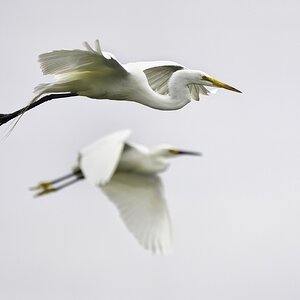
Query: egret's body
{"points": [[139, 159], [162, 85], [126, 173]]}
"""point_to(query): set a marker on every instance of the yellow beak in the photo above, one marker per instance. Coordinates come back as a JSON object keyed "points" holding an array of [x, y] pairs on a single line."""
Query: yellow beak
{"points": [[220, 84]]}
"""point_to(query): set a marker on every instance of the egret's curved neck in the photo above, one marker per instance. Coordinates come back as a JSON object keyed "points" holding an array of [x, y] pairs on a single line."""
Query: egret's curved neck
{"points": [[178, 87], [178, 97], [167, 102]]}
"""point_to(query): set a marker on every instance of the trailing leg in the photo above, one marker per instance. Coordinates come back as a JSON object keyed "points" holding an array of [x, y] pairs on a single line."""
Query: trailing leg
{"points": [[47, 187], [7, 117]]}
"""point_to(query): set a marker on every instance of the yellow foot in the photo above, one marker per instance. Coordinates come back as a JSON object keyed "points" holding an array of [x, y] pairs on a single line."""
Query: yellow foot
{"points": [[44, 187]]}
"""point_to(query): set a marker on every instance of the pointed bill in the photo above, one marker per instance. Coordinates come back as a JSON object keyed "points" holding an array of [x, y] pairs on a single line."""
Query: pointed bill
{"points": [[184, 152], [220, 84]]}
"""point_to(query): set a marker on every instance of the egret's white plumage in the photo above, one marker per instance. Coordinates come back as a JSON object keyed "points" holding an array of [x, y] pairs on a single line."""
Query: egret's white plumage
{"points": [[99, 160], [126, 173], [142, 206], [163, 85]]}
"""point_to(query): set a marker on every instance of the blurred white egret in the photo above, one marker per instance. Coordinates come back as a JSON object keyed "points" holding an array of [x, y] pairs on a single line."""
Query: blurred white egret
{"points": [[126, 173], [162, 85]]}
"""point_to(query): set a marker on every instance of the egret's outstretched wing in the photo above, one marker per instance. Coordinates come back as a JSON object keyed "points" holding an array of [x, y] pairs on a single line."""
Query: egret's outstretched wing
{"points": [[158, 77], [142, 206], [67, 61], [99, 160]]}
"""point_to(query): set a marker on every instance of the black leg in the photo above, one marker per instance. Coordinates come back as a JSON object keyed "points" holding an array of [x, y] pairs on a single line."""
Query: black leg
{"points": [[47, 187], [67, 184], [63, 178], [7, 117]]}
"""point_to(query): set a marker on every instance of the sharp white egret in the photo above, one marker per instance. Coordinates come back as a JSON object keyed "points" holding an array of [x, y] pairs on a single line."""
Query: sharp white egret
{"points": [[127, 174], [163, 85]]}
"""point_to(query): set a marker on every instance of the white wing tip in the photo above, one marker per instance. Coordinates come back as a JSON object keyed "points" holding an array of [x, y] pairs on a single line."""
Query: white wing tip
{"points": [[158, 247], [126, 131], [165, 251], [88, 47]]}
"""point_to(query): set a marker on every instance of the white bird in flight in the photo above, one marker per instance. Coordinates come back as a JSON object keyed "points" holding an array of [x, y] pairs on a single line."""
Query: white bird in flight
{"points": [[127, 174], [163, 85]]}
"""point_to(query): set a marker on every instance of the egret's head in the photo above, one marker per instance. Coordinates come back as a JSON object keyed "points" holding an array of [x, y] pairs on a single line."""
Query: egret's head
{"points": [[207, 80], [166, 151]]}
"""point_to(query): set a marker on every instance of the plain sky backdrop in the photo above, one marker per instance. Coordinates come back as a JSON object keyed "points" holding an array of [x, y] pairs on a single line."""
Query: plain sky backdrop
{"points": [[235, 211]]}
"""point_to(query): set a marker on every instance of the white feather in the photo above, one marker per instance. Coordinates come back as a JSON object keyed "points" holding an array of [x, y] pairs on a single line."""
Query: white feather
{"points": [[140, 201], [99, 160], [69, 61]]}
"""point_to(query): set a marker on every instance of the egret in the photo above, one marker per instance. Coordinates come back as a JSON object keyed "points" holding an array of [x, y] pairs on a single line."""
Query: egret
{"points": [[163, 85], [127, 174]]}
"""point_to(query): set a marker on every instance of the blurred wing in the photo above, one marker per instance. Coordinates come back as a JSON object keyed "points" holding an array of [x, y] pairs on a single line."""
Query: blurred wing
{"points": [[66, 61], [159, 76], [99, 160], [141, 203]]}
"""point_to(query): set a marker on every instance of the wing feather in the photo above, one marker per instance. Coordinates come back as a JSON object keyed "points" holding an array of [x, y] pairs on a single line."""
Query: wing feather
{"points": [[99, 160], [66, 61], [141, 203], [159, 76]]}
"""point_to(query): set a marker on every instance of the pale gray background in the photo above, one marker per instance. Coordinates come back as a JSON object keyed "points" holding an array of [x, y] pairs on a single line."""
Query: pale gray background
{"points": [[235, 211]]}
